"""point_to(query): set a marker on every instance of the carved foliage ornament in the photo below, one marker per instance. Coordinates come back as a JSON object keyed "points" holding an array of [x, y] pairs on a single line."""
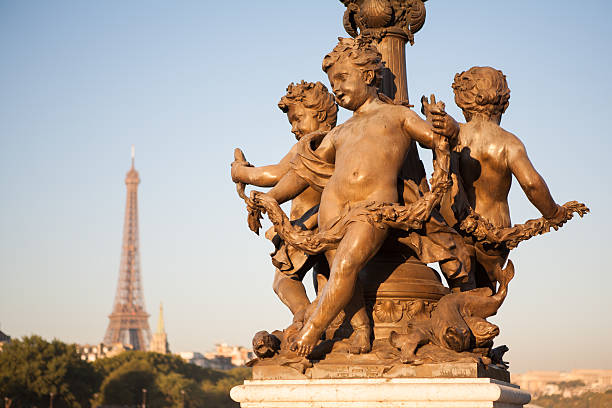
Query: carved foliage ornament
{"points": [[376, 17], [392, 311]]}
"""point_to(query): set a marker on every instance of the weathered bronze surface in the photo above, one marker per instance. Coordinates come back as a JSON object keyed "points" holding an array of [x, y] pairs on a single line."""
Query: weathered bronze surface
{"points": [[364, 218], [310, 108], [347, 366]]}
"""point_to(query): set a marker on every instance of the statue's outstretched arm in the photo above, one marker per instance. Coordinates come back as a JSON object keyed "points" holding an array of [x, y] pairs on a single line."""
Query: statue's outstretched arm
{"points": [[289, 187], [292, 183], [418, 129], [531, 182], [263, 176], [537, 191]]}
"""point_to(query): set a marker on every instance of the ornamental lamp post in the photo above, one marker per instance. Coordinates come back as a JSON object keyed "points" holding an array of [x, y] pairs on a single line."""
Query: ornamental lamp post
{"points": [[391, 24]]}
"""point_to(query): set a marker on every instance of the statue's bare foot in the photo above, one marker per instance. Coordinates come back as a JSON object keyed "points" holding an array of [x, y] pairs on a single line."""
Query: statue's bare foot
{"points": [[360, 341], [306, 340]]}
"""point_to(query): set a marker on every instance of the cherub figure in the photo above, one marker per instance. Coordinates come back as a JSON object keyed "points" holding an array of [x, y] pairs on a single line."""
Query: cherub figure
{"points": [[484, 159], [367, 153], [310, 108]]}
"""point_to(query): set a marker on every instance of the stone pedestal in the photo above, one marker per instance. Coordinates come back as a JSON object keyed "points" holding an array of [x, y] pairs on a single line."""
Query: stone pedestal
{"points": [[380, 393]]}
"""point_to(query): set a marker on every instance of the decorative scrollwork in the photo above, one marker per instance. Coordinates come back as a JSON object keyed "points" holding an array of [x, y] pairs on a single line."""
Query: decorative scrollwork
{"points": [[376, 17]]}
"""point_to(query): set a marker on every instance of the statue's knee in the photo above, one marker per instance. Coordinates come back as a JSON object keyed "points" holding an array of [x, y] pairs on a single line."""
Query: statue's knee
{"points": [[346, 269]]}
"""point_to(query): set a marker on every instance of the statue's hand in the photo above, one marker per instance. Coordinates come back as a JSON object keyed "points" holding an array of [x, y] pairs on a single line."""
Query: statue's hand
{"points": [[262, 199], [238, 167], [238, 172], [426, 106], [443, 124], [256, 198], [420, 210], [560, 217], [254, 212]]}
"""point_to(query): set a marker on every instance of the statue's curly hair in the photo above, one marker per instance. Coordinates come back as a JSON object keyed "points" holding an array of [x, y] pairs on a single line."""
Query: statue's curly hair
{"points": [[482, 90], [312, 95], [361, 51]]}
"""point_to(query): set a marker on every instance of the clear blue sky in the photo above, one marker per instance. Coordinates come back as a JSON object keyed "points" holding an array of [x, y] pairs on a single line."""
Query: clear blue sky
{"points": [[186, 82]]}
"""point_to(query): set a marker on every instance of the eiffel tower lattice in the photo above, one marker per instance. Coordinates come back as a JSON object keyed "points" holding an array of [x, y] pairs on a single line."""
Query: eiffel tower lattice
{"points": [[129, 321]]}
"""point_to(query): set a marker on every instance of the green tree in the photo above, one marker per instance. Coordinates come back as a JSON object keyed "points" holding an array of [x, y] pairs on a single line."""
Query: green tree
{"points": [[169, 380], [181, 392], [586, 400], [160, 363], [567, 385], [217, 393], [32, 369], [124, 386]]}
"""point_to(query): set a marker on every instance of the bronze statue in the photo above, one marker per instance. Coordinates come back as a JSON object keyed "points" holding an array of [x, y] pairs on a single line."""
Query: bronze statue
{"points": [[483, 161], [353, 175], [309, 108], [367, 153]]}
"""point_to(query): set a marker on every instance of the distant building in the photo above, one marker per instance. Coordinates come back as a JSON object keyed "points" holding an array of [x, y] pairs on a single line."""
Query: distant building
{"points": [[218, 363], [225, 357], [159, 343], [192, 357], [93, 352], [4, 339], [239, 355], [566, 384]]}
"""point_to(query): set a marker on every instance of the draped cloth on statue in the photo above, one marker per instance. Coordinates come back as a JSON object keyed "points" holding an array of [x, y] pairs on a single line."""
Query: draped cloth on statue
{"points": [[308, 165], [288, 259]]}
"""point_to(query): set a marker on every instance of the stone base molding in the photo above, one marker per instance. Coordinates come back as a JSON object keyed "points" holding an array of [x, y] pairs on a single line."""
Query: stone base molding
{"points": [[380, 393]]}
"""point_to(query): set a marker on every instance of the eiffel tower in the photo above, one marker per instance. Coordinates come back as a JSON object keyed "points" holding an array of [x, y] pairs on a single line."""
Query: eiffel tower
{"points": [[129, 322]]}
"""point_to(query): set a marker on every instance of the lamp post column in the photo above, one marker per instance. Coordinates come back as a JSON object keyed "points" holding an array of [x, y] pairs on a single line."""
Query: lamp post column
{"points": [[392, 24]]}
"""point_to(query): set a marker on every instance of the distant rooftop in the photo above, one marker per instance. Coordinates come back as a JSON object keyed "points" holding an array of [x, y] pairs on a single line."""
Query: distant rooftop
{"points": [[4, 338]]}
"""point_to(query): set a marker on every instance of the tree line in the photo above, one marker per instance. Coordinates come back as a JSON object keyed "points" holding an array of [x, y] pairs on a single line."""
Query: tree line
{"points": [[38, 373], [586, 400]]}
